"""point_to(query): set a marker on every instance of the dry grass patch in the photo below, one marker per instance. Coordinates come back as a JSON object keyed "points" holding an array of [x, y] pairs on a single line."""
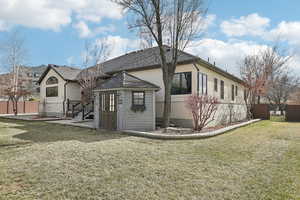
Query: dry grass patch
{"points": [[260, 161]]}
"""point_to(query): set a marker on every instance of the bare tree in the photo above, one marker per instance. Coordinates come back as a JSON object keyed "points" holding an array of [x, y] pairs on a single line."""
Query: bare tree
{"points": [[295, 96], [253, 75], [261, 73], [94, 54], [280, 89], [14, 55], [169, 22], [203, 110]]}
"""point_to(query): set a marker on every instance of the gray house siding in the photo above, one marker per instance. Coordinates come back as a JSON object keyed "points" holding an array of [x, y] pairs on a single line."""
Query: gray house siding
{"points": [[97, 110], [130, 120]]}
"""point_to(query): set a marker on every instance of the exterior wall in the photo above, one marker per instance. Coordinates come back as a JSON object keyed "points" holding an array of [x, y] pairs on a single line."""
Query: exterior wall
{"points": [[97, 110], [73, 91], [129, 120], [52, 106], [180, 114]]}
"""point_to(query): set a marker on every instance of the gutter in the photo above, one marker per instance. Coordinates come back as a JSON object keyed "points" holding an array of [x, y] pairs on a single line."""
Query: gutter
{"points": [[198, 70]]}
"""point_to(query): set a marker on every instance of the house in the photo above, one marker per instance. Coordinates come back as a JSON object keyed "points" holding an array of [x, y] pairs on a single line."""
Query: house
{"points": [[193, 75], [57, 85]]}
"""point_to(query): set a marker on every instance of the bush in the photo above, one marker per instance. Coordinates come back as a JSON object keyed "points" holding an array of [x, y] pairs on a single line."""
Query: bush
{"points": [[203, 109]]}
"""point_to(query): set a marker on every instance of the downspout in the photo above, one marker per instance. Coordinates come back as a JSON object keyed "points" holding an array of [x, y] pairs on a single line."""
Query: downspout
{"points": [[65, 98], [198, 70]]}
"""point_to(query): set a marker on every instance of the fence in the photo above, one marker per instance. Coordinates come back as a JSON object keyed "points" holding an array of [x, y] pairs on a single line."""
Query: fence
{"points": [[6, 107], [261, 111], [292, 113]]}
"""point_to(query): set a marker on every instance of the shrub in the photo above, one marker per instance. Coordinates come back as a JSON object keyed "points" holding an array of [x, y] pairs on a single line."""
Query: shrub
{"points": [[203, 109]]}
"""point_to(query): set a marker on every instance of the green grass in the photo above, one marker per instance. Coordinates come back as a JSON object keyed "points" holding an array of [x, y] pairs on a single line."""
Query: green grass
{"points": [[47, 161], [276, 118]]}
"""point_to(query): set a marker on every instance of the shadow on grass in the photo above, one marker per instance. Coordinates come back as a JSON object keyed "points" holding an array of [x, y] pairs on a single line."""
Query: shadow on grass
{"points": [[42, 132]]}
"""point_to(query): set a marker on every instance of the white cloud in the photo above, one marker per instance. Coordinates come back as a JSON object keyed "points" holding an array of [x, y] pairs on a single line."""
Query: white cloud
{"points": [[85, 32], [83, 29], [53, 14], [119, 45], [227, 55], [252, 24], [288, 31], [208, 21]]}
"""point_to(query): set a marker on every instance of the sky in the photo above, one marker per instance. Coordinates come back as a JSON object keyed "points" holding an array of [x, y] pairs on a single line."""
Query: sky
{"points": [[56, 30]]}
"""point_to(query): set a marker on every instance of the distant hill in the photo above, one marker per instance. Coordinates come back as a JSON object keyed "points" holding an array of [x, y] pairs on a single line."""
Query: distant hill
{"points": [[29, 73]]}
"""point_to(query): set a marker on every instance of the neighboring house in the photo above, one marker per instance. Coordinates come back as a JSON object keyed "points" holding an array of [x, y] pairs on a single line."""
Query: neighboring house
{"points": [[57, 85], [193, 75]]}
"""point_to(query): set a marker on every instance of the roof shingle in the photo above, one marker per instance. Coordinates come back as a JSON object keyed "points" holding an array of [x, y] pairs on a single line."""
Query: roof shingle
{"points": [[125, 80]]}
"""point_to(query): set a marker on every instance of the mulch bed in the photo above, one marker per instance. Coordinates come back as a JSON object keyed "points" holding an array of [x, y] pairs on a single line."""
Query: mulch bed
{"points": [[186, 131]]}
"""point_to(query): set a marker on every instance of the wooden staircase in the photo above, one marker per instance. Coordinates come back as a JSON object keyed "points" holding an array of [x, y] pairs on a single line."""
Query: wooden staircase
{"points": [[77, 108]]}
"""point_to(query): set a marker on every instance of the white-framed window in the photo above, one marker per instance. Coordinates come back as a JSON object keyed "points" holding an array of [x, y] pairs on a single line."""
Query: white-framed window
{"points": [[203, 83], [53, 90], [138, 98], [111, 102], [52, 80]]}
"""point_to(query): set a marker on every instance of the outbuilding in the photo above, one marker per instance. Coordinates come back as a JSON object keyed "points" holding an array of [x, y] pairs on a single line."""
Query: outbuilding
{"points": [[125, 102]]}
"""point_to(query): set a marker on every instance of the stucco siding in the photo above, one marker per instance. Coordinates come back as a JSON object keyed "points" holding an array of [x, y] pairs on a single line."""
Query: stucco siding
{"points": [[179, 111], [73, 91], [52, 106]]}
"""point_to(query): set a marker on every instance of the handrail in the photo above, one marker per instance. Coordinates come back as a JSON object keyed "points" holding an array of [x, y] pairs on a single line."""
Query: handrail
{"points": [[89, 111], [73, 109], [78, 106]]}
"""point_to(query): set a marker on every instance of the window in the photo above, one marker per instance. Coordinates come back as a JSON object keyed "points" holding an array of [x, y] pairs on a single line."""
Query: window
{"points": [[52, 91], [203, 83], [111, 102], [232, 92], [138, 101], [138, 98], [216, 84], [52, 80], [236, 90], [182, 83], [103, 102], [222, 90]]}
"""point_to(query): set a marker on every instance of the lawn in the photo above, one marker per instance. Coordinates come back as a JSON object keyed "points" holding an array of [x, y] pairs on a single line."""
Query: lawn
{"points": [[48, 161]]}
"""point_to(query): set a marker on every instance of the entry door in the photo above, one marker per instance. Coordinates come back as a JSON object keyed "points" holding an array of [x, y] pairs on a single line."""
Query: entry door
{"points": [[108, 110]]}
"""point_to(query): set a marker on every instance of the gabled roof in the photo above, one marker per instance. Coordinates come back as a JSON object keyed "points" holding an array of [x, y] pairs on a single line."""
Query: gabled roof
{"points": [[125, 80], [65, 72]]}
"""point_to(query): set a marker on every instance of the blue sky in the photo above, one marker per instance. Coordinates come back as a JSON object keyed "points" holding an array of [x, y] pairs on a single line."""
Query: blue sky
{"points": [[55, 30]]}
